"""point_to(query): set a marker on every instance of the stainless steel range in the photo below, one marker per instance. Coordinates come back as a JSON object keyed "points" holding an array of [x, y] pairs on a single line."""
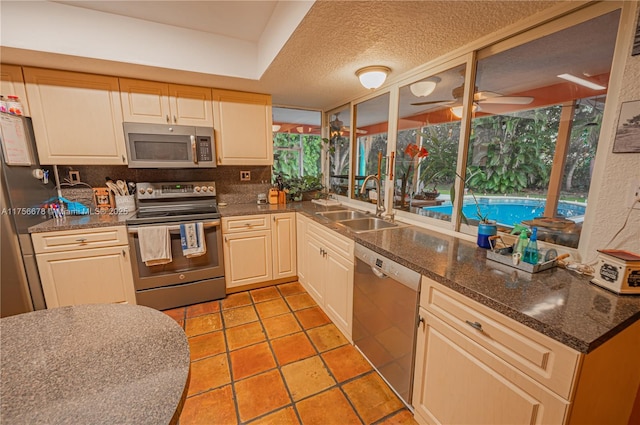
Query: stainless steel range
{"points": [[184, 280]]}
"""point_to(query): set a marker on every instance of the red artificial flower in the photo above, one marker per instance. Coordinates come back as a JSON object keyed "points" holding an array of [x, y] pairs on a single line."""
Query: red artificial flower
{"points": [[412, 150]]}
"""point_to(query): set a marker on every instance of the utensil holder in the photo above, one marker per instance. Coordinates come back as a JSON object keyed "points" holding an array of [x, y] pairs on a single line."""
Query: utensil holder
{"points": [[126, 204]]}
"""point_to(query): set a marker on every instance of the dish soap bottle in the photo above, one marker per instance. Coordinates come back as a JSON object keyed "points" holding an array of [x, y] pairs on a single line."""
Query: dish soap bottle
{"points": [[522, 242], [531, 251]]}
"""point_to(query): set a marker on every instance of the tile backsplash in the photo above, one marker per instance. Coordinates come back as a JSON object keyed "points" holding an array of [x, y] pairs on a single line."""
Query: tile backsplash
{"points": [[229, 188]]}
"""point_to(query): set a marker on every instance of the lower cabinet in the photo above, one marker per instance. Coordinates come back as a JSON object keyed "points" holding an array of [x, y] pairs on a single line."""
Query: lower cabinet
{"points": [[475, 365], [259, 248], [84, 266], [328, 273]]}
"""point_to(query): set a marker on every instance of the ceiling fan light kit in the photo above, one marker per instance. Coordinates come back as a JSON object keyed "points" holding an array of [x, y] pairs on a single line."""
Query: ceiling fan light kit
{"points": [[372, 77], [424, 88]]}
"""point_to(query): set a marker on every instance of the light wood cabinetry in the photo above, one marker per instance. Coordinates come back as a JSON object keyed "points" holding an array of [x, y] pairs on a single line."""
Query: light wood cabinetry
{"points": [[84, 266], [259, 248], [161, 103], [328, 269], [77, 118], [242, 124], [301, 232], [12, 83], [474, 365]]}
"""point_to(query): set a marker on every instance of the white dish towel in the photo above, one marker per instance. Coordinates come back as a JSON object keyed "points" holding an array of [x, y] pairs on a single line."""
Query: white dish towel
{"points": [[155, 245], [192, 239]]}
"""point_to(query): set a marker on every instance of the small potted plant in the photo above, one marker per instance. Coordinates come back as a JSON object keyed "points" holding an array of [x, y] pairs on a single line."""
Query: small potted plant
{"points": [[303, 188]]}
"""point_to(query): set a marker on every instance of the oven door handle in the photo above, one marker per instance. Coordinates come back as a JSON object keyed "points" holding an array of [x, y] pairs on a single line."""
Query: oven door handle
{"points": [[206, 225]]}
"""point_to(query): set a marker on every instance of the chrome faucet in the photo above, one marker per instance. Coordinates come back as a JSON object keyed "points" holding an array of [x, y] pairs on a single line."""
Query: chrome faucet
{"points": [[379, 206]]}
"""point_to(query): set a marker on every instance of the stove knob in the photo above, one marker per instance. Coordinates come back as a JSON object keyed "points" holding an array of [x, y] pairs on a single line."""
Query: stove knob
{"points": [[211, 189], [149, 190], [141, 191], [197, 188]]}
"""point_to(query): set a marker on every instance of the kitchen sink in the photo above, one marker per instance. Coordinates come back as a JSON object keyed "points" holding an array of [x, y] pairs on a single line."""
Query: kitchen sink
{"points": [[367, 224], [343, 215]]}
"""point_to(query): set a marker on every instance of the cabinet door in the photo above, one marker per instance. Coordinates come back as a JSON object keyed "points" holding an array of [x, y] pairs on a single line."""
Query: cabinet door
{"points": [[283, 232], [456, 381], [145, 101], [315, 269], [77, 118], [338, 293], [242, 123], [100, 275], [301, 231], [247, 258], [11, 83], [191, 105]]}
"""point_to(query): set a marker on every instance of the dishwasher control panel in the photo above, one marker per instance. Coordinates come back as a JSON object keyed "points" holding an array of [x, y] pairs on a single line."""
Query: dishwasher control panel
{"points": [[388, 267]]}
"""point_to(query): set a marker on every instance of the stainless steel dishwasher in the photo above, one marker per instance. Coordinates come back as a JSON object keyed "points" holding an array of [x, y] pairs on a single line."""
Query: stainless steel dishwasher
{"points": [[385, 317]]}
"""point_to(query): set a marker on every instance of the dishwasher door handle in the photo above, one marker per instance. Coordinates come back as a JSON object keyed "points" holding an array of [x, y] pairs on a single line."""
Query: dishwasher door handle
{"points": [[378, 273]]}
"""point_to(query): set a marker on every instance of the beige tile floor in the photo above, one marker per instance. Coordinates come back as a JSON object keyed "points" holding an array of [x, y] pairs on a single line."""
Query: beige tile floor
{"points": [[271, 356]]}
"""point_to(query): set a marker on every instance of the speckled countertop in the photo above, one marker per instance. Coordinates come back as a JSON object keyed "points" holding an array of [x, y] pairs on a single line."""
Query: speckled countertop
{"points": [[92, 364], [72, 222], [556, 302]]}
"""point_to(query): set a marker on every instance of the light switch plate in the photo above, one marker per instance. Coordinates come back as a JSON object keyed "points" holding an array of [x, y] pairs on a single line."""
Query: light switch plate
{"points": [[245, 176]]}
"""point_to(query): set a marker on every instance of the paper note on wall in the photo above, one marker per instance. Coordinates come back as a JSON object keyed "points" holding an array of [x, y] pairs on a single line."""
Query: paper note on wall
{"points": [[15, 147]]}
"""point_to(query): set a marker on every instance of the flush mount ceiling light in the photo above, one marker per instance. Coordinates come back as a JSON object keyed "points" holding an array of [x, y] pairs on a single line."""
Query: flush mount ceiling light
{"points": [[372, 77], [581, 81], [424, 88], [275, 127]]}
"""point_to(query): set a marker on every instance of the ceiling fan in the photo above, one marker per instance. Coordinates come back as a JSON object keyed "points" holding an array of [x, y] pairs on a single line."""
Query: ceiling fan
{"points": [[337, 127], [479, 98]]}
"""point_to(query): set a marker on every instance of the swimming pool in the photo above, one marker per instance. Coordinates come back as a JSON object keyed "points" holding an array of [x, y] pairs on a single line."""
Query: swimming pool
{"points": [[509, 211]]}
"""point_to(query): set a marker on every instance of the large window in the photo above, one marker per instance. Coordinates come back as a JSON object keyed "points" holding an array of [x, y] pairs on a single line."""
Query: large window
{"points": [[297, 144], [513, 142], [339, 128], [371, 128], [427, 142]]}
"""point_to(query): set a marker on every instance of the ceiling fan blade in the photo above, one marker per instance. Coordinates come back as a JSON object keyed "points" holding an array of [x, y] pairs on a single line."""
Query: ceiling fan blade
{"points": [[508, 100], [433, 102]]}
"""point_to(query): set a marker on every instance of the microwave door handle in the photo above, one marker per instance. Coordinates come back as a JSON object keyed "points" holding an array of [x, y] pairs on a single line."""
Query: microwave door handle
{"points": [[194, 149]]}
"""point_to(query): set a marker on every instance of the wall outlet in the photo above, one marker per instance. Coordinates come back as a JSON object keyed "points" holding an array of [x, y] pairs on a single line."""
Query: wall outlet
{"points": [[245, 176], [634, 193]]}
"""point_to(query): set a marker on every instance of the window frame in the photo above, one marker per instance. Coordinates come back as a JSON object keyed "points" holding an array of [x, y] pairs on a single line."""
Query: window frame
{"points": [[556, 19]]}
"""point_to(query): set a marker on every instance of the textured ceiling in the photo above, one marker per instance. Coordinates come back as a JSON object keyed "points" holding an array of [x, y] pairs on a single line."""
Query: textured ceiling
{"points": [[316, 67]]}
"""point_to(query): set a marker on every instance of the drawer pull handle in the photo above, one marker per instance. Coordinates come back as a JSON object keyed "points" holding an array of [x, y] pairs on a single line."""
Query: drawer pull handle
{"points": [[421, 321], [475, 325], [81, 240]]}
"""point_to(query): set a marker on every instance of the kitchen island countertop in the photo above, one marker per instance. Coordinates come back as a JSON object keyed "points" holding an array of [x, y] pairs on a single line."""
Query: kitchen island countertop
{"points": [[93, 364]]}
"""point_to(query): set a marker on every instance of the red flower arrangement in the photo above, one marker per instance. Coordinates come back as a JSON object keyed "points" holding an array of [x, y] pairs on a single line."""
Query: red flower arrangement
{"points": [[413, 150]]}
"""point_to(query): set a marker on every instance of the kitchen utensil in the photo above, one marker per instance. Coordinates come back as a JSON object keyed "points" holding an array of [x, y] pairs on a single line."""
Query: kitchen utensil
{"points": [[132, 188], [558, 258], [112, 187], [122, 186]]}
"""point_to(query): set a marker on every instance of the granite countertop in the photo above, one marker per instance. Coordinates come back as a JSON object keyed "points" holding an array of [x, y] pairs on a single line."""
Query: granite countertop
{"points": [[73, 222], [558, 303], [90, 364]]}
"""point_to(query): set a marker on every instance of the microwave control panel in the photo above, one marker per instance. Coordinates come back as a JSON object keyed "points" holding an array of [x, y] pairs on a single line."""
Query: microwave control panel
{"points": [[205, 153]]}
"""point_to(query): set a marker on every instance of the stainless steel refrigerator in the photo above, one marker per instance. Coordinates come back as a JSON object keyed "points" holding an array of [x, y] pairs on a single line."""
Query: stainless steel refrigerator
{"points": [[23, 198]]}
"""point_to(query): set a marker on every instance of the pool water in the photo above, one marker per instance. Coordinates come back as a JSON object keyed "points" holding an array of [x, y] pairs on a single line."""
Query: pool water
{"points": [[509, 211]]}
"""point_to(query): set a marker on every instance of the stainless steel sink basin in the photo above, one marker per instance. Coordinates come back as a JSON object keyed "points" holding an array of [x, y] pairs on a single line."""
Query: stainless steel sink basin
{"points": [[343, 215], [367, 224]]}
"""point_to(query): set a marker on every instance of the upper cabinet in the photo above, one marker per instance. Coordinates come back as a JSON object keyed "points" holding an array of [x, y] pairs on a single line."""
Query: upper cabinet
{"points": [[162, 103], [77, 118], [242, 124], [11, 83]]}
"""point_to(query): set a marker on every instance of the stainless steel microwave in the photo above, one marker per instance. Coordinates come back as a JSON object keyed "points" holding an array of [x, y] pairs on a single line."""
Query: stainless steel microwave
{"points": [[169, 146]]}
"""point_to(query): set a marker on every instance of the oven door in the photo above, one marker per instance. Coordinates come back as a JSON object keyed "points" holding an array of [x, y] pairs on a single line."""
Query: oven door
{"points": [[181, 269]]}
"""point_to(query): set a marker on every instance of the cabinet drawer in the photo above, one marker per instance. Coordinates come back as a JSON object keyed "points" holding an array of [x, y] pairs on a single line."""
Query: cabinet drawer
{"points": [[538, 356], [340, 244], [70, 240], [245, 222]]}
